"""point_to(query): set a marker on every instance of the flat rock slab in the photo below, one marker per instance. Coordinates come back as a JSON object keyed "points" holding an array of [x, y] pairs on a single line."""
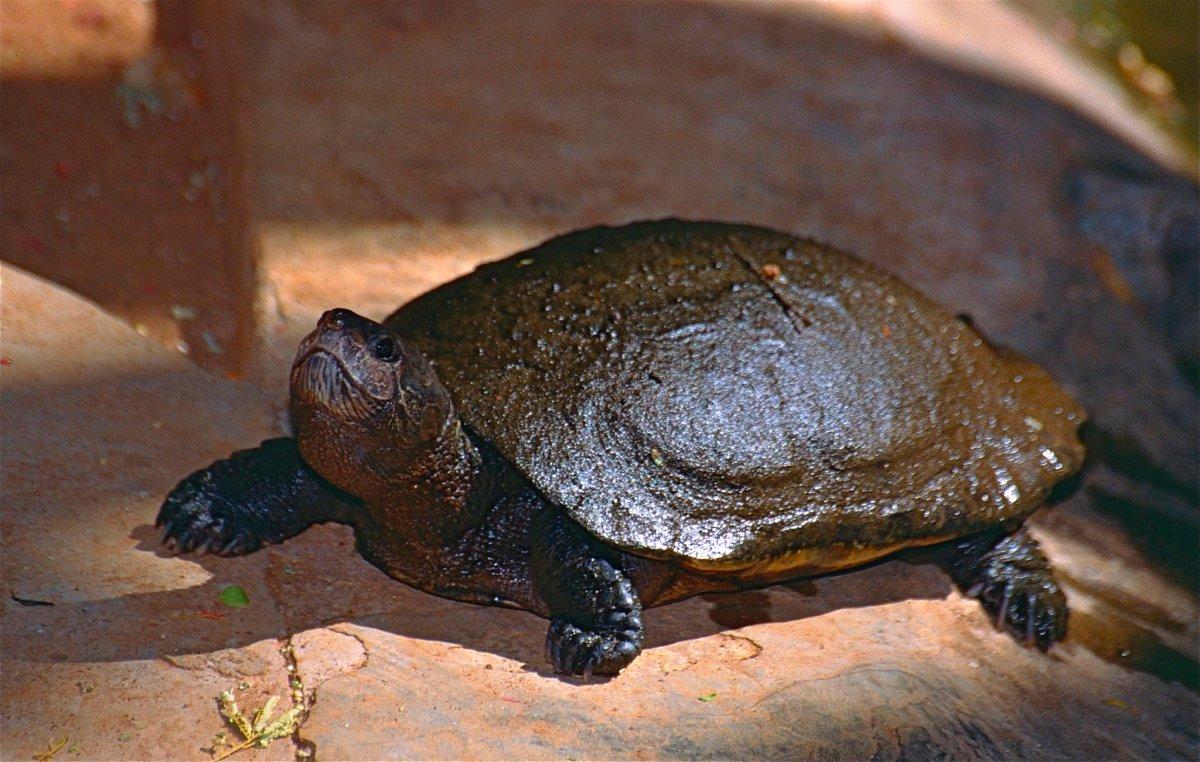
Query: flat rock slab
{"points": [[388, 148], [884, 663], [107, 641], [122, 650]]}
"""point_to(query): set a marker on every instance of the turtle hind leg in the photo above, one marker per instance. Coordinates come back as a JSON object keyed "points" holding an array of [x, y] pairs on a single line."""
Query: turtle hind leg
{"points": [[595, 613], [1012, 579], [262, 495]]}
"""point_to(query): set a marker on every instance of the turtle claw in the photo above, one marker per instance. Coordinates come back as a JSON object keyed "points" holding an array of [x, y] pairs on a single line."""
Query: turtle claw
{"points": [[1037, 618], [195, 519], [236, 545], [1013, 582], [576, 651], [261, 495], [1002, 609], [615, 637], [1031, 603]]}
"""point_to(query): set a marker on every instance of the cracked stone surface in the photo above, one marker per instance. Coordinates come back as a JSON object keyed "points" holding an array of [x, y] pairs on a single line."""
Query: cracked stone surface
{"points": [[371, 153]]}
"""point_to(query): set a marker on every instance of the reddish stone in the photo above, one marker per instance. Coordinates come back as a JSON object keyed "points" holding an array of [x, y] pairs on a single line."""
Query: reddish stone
{"points": [[384, 154]]}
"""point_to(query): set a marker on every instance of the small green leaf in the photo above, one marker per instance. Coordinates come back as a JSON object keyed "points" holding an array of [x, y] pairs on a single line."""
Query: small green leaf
{"points": [[234, 597], [708, 696]]}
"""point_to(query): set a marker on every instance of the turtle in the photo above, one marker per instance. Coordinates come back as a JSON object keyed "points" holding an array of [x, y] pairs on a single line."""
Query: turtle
{"points": [[623, 417]]}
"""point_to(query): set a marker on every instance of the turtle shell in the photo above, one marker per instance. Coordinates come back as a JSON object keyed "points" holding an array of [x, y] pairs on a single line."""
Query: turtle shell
{"points": [[735, 398]]}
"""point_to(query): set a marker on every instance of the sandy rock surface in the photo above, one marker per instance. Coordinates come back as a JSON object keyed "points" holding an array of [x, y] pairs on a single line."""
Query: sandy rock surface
{"points": [[106, 640], [364, 156]]}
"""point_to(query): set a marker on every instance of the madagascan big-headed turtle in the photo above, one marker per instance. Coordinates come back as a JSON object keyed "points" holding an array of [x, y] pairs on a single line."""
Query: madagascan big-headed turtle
{"points": [[624, 417]]}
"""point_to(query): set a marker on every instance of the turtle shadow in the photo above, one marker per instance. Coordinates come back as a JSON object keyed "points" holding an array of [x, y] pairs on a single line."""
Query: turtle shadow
{"points": [[317, 579]]}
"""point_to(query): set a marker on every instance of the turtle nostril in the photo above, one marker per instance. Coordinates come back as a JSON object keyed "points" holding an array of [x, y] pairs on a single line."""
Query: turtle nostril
{"points": [[335, 319]]}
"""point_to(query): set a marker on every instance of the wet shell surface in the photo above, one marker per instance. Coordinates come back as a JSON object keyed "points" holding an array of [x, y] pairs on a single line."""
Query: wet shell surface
{"points": [[742, 400]]}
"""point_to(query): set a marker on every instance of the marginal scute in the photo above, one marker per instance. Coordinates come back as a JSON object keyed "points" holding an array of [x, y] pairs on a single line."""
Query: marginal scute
{"points": [[736, 399]]}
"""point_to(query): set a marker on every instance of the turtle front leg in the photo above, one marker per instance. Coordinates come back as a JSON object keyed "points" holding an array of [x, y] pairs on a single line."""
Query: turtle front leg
{"points": [[262, 495], [595, 614], [1012, 578]]}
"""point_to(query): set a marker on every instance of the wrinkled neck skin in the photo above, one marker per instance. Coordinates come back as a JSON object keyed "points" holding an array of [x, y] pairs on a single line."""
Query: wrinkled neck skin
{"points": [[422, 521], [437, 494], [459, 528], [455, 521], [438, 509]]}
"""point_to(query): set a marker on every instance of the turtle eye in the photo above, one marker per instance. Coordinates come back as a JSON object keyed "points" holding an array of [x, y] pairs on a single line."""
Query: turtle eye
{"points": [[384, 348]]}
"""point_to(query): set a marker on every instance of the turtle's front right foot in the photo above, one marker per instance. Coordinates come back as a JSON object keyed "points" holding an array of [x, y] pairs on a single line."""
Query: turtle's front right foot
{"points": [[596, 616], [257, 496], [615, 637]]}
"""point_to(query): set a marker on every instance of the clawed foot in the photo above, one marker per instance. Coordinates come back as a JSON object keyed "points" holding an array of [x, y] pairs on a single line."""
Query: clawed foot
{"points": [[615, 638], [1014, 583], [574, 651], [196, 519]]}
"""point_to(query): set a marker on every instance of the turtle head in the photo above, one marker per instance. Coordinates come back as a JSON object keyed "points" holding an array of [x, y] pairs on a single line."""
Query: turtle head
{"points": [[367, 407]]}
